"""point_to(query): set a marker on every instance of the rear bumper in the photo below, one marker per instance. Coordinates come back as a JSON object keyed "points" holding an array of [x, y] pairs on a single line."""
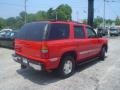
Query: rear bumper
{"points": [[46, 64], [27, 62]]}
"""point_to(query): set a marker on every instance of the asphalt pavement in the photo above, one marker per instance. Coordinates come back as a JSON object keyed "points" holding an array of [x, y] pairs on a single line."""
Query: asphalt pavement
{"points": [[96, 75]]}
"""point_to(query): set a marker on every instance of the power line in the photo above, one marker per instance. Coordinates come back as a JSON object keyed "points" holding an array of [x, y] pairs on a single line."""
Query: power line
{"points": [[112, 1], [112, 10], [25, 3]]}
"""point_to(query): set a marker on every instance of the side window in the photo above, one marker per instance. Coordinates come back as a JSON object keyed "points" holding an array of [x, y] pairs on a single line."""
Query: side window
{"points": [[58, 31], [91, 33], [79, 32]]}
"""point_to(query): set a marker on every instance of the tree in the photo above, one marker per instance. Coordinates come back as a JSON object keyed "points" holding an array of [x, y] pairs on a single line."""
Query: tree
{"points": [[19, 22], [117, 21], [41, 15], [22, 15], [109, 22], [11, 22], [31, 17], [2, 23], [51, 13], [64, 12], [97, 21]]}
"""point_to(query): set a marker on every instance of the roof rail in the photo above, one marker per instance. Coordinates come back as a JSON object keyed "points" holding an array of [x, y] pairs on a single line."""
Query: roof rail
{"points": [[47, 20], [54, 20]]}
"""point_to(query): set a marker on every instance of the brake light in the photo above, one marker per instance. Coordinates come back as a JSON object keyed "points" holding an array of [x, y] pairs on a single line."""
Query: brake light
{"points": [[44, 51]]}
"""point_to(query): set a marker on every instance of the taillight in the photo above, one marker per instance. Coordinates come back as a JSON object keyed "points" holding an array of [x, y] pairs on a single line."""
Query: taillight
{"points": [[44, 51]]}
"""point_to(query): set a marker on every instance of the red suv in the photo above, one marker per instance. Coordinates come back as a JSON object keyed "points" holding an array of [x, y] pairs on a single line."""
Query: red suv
{"points": [[57, 45]]}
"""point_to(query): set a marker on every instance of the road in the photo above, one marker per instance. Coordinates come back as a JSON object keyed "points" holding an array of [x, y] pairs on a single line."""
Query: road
{"points": [[96, 75]]}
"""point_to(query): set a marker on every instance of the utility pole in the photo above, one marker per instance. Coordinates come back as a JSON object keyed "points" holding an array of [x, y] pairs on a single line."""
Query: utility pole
{"points": [[25, 7], [104, 16], [77, 14], [90, 12], [56, 16]]}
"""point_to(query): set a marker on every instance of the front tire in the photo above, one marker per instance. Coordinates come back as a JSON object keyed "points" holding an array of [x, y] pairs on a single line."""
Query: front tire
{"points": [[102, 53], [67, 67]]}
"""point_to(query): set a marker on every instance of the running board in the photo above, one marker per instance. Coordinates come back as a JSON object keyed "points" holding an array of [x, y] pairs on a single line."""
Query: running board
{"points": [[87, 61]]}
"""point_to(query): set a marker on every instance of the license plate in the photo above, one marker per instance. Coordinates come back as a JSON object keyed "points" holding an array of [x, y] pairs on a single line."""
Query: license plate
{"points": [[25, 61], [36, 67]]}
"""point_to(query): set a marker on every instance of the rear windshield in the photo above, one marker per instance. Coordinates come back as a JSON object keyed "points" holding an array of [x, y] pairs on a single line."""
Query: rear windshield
{"points": [[32, 31]]}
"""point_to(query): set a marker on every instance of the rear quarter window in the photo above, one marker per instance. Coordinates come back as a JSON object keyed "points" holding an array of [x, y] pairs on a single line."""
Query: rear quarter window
{"points": [[79, 32], [58, 31], [32, 31]]}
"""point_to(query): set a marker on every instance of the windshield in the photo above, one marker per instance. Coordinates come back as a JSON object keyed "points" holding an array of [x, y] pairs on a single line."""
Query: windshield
{"points": [[32, 31], [113, 29]]}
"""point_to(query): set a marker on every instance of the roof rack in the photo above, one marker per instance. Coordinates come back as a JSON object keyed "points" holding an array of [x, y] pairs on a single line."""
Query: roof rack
{"points": [[54, 20], [47, 20]]}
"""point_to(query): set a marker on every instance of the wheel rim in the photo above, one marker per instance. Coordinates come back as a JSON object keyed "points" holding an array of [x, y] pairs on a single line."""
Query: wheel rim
{"points": [[68, 67]]}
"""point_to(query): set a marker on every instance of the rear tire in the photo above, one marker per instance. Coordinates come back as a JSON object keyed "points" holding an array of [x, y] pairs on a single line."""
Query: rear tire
{"points": [[102, 53], [23, 66], [67, 67]]}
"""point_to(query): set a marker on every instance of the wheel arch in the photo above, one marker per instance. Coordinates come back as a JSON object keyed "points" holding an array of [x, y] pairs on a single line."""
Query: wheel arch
{"points": [[70, 53]]}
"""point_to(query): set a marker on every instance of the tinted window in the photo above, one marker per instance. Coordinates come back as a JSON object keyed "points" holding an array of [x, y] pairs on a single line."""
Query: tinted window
{"points": [[79, 32], [91, 33], [58, 31], [32, 31]]}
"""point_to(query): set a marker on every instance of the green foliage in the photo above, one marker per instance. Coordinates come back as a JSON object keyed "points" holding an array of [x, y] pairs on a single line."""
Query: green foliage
{"points": [[19, 22], [117, 21], [97, 21], [51, 14], [109, 21], [10, 22], [63, 12], [41, 15], [2, 23]]}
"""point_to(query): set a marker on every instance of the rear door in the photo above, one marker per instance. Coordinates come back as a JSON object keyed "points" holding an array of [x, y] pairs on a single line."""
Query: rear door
{"points": [[58, 39], [81, 42], [94, 42]]}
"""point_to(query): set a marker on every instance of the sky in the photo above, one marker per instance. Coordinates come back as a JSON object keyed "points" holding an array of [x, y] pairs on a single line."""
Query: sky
{"points": [[12, 8]]}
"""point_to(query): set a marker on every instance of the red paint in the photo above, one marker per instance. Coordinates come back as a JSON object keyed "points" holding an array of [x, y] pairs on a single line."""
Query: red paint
{"points": [[56, 48]]}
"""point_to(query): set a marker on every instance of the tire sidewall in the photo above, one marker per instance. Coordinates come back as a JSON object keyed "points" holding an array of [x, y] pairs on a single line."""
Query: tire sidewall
{"points": [[102, 54], [61, 70]]}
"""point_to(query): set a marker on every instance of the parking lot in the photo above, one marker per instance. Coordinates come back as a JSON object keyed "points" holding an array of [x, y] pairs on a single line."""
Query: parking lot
{"points": [[96, 75]]}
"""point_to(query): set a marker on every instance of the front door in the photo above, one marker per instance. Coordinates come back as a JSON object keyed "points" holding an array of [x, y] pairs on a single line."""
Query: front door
{"points": [[94, 42]]}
